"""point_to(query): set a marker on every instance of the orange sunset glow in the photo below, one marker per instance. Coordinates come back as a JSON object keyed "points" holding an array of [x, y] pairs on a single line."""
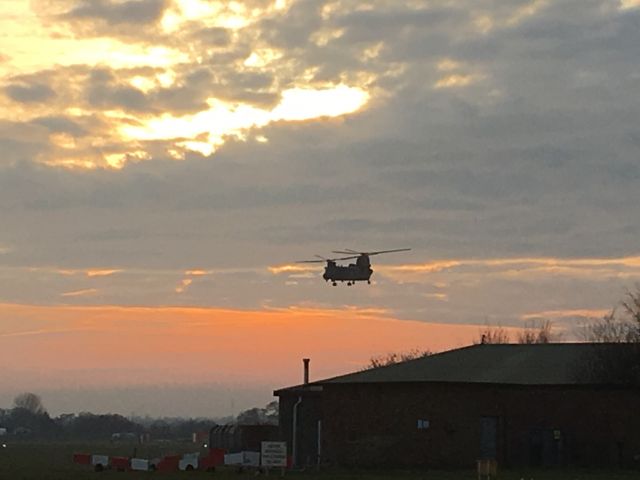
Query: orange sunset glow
{"points": [[186, 344]]}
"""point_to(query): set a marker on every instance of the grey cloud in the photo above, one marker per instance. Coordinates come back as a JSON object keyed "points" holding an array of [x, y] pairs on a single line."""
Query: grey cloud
{"points": [[212, 36], [61, 124], [104, 91], [253, 80], [21, 143], [126, 97], [295, 27], [116, 13], [105, 88], [35, 93]]}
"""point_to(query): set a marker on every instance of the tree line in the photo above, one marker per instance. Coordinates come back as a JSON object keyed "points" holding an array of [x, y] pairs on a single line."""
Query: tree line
{"points": [[29, 419]]}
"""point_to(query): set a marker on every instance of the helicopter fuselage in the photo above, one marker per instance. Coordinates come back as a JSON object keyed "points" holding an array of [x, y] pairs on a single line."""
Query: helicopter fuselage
{"points": [[360, 271], [355, 272]]}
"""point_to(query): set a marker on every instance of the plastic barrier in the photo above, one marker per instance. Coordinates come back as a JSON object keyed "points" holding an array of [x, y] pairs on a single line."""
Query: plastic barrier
{"points": [[213, 460], [82, 458], [99, 462], [168, 464], [243, 459], [189, 461], [140, 464], [121, 464]]}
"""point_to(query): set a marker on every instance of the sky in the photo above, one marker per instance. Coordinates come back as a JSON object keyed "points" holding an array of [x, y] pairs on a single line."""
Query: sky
{"points": [[165, 163]]}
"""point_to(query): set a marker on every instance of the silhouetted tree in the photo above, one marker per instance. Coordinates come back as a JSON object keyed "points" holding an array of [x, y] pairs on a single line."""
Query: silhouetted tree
{"points": [[395, 357], [611, 328], [29, 417], [160, 429], [620, 326], [260, 416], [541, 333], [30, 402], [492, 334], [89, 425]]}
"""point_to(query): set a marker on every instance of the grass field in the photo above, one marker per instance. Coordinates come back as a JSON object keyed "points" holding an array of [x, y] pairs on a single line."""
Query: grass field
{"points": [[52, 461]]}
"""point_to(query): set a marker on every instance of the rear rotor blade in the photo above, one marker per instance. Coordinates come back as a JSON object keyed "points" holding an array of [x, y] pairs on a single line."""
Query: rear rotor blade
{"points": [[388, 251]]}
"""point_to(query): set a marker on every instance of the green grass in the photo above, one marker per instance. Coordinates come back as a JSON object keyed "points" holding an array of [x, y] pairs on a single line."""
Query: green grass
{"points": [[52, 461]]}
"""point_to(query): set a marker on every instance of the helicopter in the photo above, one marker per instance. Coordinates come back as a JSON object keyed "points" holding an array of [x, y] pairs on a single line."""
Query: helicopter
{"points": [[360, 271]]}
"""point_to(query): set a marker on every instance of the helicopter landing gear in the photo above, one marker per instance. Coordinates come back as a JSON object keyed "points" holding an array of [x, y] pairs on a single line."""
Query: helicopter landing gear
{"points": [[368, 282], [334, 283], [349, 284]]}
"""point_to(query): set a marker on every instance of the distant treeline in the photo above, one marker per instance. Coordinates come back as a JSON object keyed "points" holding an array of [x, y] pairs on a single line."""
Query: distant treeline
{"points": [[29, 419]]}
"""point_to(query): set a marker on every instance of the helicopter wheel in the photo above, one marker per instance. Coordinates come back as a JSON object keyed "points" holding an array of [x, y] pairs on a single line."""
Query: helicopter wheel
{"points": [[368, 282], [334, 283]]}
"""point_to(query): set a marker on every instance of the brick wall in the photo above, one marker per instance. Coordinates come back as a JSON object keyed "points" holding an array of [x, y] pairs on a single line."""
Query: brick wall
{"points": [[378, 424]]}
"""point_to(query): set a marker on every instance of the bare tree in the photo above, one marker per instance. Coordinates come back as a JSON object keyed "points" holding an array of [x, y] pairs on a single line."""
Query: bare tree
{"points": [[492, 334], [631, 306], [609, 329], [541, 333], [615, 364], [621, 325], [395, 357], [30, 402]]}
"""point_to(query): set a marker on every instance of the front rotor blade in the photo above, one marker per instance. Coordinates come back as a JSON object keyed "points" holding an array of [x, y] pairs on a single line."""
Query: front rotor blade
{"points": [[346, 258]]}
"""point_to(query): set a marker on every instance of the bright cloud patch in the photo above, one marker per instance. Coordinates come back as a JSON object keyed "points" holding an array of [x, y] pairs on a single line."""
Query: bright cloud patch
{"points": [[223, 119], [627, 4]]}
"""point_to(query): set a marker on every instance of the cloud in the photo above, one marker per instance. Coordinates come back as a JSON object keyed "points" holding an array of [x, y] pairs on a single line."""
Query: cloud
{"points": [[212, 36], [29, 94], [629, 4], [102, 272], [80, 293], [514, 185], [137, 12], [61, 124], [561, 314], [104, 93]]}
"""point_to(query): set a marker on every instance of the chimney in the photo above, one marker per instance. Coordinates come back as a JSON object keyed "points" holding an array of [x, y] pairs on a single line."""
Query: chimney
{"points": [[306, 369]]}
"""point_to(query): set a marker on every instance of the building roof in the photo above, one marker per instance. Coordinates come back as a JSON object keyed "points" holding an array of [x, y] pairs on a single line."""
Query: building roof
{"points": [[510, 364]]}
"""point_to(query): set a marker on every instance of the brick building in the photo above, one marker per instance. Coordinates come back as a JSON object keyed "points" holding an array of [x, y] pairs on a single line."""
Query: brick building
{"points": [[535, 405]]}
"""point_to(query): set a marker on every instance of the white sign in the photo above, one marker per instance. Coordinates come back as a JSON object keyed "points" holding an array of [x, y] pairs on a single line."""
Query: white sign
{"points": [[274, 454]]}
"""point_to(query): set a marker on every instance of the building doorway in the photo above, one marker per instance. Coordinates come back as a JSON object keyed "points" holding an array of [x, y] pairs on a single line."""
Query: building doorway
{"points": [[489, 438]]}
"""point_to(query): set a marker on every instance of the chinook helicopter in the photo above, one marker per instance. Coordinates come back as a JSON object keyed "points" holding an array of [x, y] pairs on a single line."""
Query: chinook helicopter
{"points": [[360, 271]]}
